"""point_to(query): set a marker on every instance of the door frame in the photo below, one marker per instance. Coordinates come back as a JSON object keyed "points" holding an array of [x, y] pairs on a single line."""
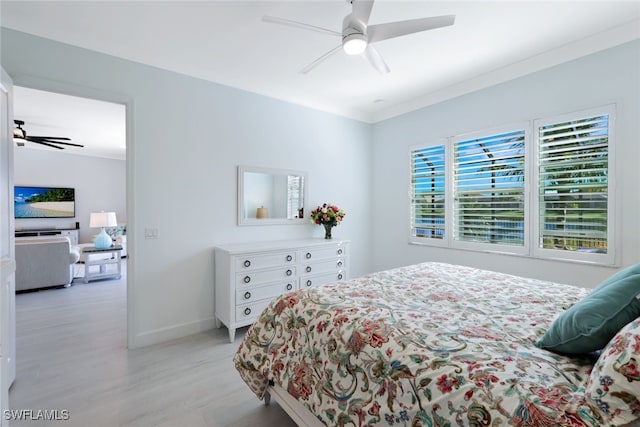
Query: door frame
{"points": [[7, 247], [117, 98]]}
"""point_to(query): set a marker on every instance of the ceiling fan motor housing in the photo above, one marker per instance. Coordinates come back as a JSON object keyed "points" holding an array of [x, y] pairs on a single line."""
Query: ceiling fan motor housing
{"points": [[18, 132], [354, 40]]}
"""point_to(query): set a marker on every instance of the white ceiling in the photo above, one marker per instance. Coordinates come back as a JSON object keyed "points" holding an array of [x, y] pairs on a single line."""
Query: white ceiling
{"points": [[227, 42]]}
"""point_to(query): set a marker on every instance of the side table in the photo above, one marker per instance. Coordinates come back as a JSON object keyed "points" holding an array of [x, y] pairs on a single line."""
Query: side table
{"points": [[103, 272]]}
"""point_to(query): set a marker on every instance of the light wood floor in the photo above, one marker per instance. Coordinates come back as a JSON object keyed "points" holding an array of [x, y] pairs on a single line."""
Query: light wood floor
{"points": [[72, 355]]}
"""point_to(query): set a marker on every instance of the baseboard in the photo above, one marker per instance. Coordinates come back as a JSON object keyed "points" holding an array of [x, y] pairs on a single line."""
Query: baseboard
{"points": [[169, 333]]}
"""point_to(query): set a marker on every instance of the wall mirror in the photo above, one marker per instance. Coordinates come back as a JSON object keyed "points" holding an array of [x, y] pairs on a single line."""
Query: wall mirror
{"points": [[271, 196]]}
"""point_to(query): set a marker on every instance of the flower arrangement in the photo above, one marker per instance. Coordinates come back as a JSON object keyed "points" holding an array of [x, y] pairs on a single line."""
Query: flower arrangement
{"points": [[328, 215]]}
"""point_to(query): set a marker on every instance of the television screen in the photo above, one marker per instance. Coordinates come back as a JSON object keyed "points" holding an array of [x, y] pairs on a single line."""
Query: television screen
{"points": [[44, 202]]}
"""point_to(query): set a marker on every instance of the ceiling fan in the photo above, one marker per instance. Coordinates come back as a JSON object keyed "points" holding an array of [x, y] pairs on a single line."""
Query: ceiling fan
{"points": [[357, 35], [20, 136]]}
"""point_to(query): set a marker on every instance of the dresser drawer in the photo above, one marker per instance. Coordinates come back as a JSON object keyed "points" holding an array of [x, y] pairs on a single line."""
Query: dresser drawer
{"points": [[249, 312], [313, 254], [251, 278], [331, 265], [320, 279], [256, 262], [244, 296]]}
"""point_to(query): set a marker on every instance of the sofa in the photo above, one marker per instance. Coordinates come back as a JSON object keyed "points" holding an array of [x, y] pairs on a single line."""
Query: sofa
{"points": [[44, 262]]}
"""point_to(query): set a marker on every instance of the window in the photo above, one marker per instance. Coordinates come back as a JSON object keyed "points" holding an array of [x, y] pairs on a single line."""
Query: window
{"points": [[295, 195], [494, 190], [488, 188], [574, 200], [427, 193]]}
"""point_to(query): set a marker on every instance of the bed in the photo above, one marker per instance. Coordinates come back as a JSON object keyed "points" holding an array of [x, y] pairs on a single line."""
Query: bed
{"points": [[436, 344]]}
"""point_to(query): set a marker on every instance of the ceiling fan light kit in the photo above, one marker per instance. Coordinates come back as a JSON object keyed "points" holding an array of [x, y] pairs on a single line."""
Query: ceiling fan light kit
{"points": [[354, 44], [357, 35]]}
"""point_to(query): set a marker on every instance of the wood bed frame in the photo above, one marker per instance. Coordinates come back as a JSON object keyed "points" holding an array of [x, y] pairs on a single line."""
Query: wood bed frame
{"points": [[296, 410]]}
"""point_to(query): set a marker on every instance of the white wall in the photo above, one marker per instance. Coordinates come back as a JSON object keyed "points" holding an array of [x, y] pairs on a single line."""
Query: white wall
{"points": [[99, 185], [611, 76], [185, 139]]}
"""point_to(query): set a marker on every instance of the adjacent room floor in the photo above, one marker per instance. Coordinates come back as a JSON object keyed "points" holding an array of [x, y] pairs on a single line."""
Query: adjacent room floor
{"points": [[72, 355]]}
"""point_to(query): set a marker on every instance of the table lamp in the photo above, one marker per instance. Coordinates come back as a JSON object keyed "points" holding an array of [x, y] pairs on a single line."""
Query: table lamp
{"points": [[102, 220]]}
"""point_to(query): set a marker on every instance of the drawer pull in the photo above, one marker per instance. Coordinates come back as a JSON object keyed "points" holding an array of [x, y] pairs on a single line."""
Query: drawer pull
{"points": [[247, 263], [308, 282], [247, 311], [289, 257], [308, 255], [308, 269], [289, 272], [247, 279], [339, 276], [289, 286], [339, 251], [247, 295], [339, 263]]}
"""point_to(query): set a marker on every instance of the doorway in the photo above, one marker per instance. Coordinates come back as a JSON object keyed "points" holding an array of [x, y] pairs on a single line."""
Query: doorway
{"points": [[97, 172]]}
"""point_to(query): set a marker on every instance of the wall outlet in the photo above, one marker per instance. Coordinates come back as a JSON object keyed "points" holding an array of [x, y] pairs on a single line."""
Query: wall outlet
{"points": [[150, 233]]}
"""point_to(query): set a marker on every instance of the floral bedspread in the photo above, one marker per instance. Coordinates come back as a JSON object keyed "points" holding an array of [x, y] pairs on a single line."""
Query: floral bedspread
{"points": [[424, 345]]}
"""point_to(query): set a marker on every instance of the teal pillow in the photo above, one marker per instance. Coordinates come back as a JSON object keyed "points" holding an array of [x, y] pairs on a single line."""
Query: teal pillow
{"points": [[591, 323]]}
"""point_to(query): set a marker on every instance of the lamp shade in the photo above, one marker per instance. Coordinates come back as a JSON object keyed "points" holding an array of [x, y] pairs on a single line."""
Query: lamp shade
{"points": [[102, 219]]}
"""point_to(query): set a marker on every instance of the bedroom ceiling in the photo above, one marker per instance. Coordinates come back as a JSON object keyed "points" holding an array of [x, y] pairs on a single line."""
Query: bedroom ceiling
{"points": [[227, 42]]}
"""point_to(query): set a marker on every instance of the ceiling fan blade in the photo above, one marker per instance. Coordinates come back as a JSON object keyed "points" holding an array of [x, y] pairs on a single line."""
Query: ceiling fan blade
{"points": [[47, 144], [376, 33], [49, 140], [49, 137], [296, 24], [375, 59], [315, 63], [362, 11]]}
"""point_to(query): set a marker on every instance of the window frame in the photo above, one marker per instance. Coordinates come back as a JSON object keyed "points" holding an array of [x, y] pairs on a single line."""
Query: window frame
{"points": [[483, 246], [531, 221], [610, 258], [426, 240]]}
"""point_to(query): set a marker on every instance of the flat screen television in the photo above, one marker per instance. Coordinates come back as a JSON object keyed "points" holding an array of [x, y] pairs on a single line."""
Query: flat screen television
{"points": [[44, 202]]}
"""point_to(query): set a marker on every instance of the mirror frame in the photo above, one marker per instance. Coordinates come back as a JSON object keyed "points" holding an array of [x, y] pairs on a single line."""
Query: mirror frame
{"points": [[243, 220]]}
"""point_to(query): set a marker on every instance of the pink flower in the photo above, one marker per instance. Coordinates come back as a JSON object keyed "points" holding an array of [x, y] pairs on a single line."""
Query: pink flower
{"points": [[374, 409], [446, 384]]}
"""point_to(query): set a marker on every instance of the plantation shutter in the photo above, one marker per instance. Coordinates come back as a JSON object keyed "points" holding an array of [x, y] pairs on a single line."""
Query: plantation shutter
{"points": [[427, 193], [489, 188], [295, 190], [574, 185]]}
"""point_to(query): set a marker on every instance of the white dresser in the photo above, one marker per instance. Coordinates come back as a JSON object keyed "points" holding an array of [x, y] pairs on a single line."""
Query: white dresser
{"points": [[249, 275]]}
